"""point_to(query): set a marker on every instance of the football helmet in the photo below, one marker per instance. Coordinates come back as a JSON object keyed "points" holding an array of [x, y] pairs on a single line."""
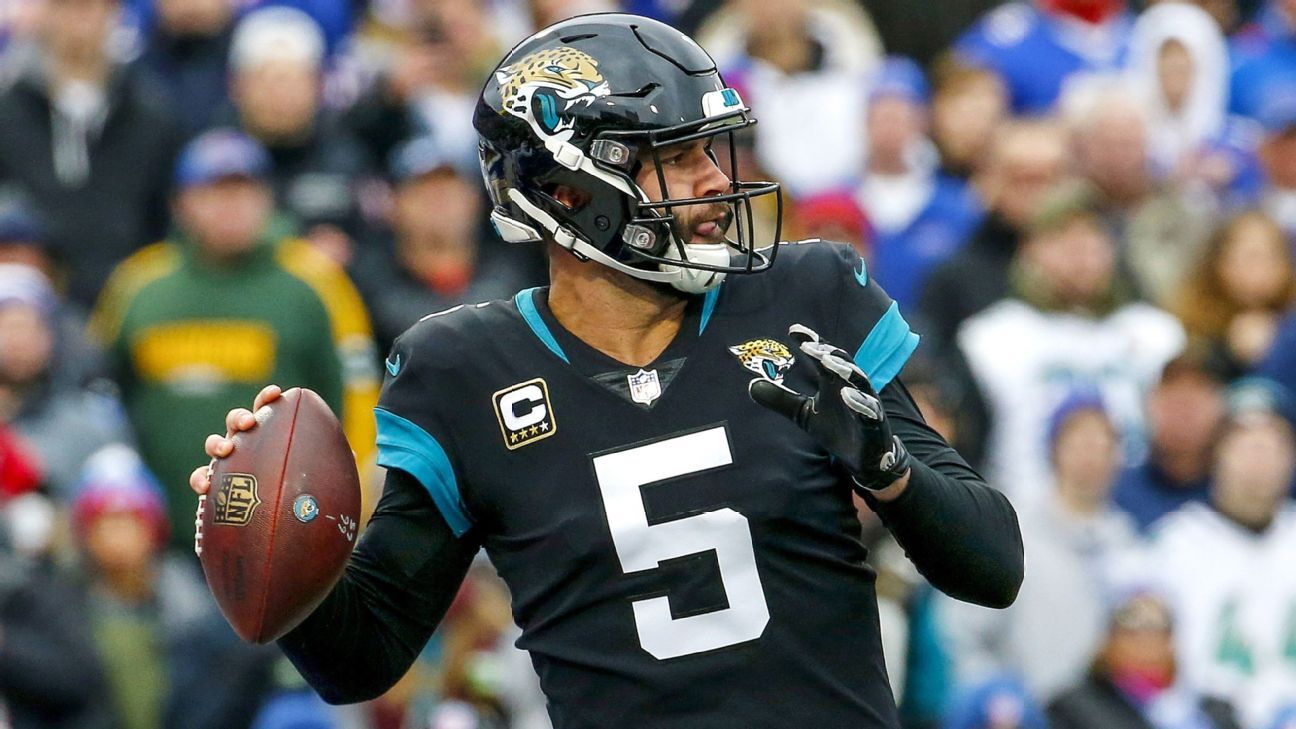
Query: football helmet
{"points": [[583, 104]]}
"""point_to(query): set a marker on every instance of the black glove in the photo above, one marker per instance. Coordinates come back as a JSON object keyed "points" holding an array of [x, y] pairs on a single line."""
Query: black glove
{"points": [[845, 415]]}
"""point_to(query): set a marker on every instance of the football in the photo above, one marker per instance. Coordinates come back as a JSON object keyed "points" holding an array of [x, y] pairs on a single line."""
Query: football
{"points": [[276, 528]]}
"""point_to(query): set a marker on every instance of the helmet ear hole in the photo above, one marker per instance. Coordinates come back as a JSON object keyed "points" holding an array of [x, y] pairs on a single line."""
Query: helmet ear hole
{"points": [[568, 196]]}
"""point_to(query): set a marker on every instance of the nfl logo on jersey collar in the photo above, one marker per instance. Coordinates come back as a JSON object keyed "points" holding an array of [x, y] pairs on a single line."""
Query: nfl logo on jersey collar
{"points": [[644, 386]]}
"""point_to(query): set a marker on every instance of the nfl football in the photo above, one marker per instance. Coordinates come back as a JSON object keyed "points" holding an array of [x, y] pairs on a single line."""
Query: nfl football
{"points": [[276, 528]]}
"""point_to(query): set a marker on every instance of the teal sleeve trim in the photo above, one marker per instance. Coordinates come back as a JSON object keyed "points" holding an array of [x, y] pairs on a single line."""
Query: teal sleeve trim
{"points": [[404, 445], [525, 301], [708, 308], [886, 348]]}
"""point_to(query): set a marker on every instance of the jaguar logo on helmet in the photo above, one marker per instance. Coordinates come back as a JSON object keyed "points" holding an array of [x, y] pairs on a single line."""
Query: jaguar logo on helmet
{"points": [[544, 85]]}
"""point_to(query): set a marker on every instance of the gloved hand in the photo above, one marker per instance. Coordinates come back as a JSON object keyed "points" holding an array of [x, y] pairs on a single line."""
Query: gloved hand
{"points": [[845, 415]]}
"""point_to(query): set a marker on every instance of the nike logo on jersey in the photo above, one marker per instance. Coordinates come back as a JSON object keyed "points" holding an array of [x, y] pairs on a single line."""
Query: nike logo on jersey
{"points": [[861, 275], [393, 366]]}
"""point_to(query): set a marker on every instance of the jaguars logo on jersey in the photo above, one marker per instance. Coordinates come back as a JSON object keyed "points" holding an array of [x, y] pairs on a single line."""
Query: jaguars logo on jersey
{"points": [[542, 86], [766, 357]]}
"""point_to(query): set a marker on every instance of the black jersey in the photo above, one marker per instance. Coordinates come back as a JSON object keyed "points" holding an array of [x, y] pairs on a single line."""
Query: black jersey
{"points": [[676, 553]]}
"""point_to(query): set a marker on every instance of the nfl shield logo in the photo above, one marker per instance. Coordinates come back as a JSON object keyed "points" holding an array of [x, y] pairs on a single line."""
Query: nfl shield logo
{"points": [[644, 386]]}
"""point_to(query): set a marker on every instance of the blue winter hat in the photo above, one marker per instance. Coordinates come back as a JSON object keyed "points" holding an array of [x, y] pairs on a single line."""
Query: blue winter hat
{"points": [[20, 223], [900, 76], [1139, 606], [1081, 399], [220, 154], [1001, 701]]}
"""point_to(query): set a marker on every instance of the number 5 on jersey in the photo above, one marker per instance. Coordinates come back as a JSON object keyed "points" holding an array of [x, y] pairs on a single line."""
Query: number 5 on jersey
{"points": [[642, 546]]}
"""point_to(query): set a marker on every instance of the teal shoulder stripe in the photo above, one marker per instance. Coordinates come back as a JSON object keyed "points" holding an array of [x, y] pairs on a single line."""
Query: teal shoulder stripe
{"points": [[891, 367], [525, 301], [886, 348], [404, 445], [708, 308]]}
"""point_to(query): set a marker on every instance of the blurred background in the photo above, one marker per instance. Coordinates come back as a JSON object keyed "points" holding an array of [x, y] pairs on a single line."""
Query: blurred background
{"points": [[1087, 208]]}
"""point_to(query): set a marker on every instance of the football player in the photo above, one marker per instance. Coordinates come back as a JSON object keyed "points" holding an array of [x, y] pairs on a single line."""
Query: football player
{"points": [[658, 451]]}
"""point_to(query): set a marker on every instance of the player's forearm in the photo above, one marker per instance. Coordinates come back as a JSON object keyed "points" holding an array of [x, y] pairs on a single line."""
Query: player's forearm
{"points": [[961, 535], [398, 585], [343, 650]]}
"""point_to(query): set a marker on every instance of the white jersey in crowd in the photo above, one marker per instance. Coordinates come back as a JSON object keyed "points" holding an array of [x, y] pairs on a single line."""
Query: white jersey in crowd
{"points": [[1071, 562], [1026, 361], [1234, 597]]}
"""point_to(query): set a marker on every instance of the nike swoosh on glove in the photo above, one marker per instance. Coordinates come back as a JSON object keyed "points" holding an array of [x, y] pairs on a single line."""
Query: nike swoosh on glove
{"points": [[845, 415]]}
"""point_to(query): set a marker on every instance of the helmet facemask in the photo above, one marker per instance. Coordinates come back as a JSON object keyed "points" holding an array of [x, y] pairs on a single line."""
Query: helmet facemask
{"points": [[620, 225], [654, 237]]}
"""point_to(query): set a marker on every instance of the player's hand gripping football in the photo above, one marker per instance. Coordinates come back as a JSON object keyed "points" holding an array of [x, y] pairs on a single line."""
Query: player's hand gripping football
{"points": [[845, 415], [236, 421]]}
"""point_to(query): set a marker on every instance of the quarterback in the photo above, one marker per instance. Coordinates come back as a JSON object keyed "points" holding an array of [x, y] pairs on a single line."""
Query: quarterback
{"points": [[658, 450]]}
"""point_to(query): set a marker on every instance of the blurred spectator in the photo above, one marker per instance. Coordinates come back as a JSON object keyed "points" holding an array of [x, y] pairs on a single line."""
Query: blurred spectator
{"points": [[1243, 286], [1001, 702], [1158, 229], [1026, 159], [89, 140], [547, 12], [1278, 159], [1279, 364], [19, 20], [1068, 323], [1180, 65], [1227, 566], [1074, 538], [969, 106], [830, 216], [1132, 682], [790, 56], [170, 660], [919, 216], [63, 421], [424, 70], [24, 241], [187, 50], [1037, 46], [1263, 64], [434, 261], [227, 304], [50, 677], [1183, 417], [276, 80]]}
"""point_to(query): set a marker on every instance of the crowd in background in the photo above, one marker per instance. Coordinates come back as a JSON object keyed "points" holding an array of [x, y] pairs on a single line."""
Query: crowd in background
{"points": [[1086, 208]]}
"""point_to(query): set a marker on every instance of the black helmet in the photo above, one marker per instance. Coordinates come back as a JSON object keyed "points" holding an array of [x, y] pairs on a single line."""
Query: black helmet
{"points": [[578, 104]]}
